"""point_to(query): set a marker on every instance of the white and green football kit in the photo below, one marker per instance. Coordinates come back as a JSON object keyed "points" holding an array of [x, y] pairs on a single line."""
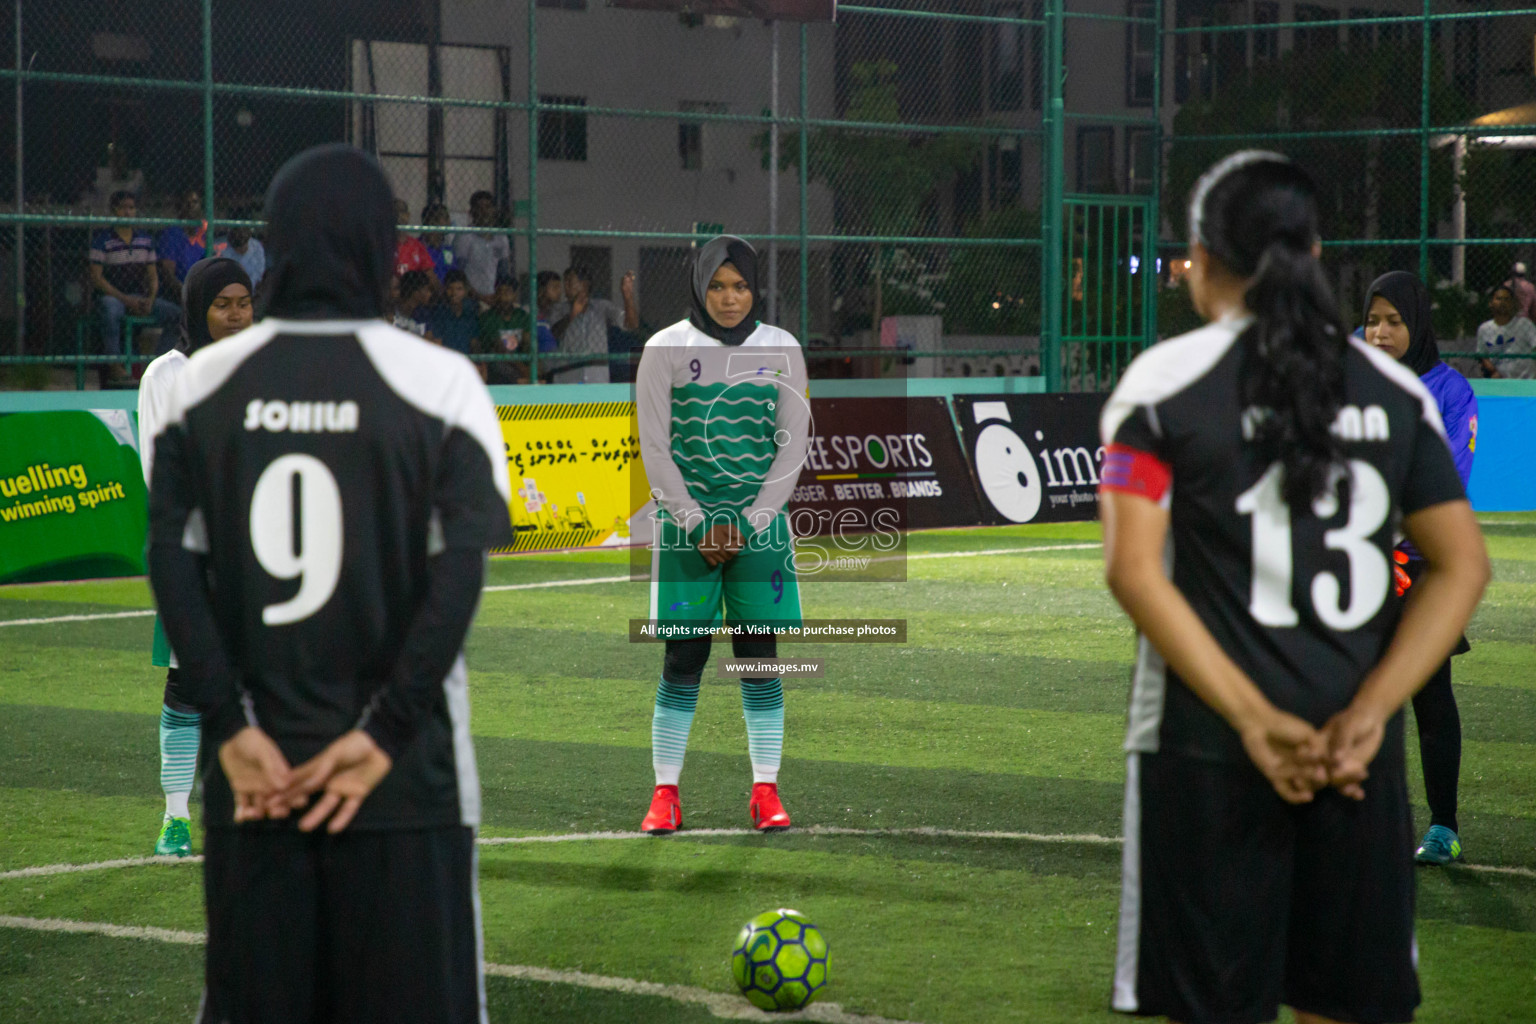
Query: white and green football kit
{"points": [[724, 430]]}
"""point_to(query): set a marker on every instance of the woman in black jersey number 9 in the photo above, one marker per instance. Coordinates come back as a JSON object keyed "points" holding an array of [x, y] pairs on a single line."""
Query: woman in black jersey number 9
{"points": [[1255, 473]]}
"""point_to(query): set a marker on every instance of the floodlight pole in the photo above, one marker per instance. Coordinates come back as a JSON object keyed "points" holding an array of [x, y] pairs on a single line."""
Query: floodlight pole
{"points": [[208, 212], [773, 177], [1458, 211], [1051, 227], [21, 207]]}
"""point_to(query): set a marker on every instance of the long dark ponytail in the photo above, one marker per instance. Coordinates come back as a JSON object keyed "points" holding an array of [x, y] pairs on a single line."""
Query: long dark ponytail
{"points": [[1256, 214]]}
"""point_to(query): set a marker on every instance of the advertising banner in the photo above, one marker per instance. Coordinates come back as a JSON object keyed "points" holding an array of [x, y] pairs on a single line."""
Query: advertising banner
{"points": [[1036, 457], [897, 457], [1502, 480], [577, 480], [72, 499]]}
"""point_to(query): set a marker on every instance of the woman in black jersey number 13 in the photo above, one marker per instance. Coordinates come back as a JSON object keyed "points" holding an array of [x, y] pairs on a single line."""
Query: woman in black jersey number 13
{"points": [[1255, 473]]}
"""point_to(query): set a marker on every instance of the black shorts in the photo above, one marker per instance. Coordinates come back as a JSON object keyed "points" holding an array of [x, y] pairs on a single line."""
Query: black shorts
{"points": [[365, 927], [174, 698], [1233, 901]]}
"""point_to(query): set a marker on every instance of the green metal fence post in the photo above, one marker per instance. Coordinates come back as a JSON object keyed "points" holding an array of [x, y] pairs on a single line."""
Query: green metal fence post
{"points": [[208, 209], [1424, 149], [1051, 207], [533, 190], [1152, 223], [805, 177]]}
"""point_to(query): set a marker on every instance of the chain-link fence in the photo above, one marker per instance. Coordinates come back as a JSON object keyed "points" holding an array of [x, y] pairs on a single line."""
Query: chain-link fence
{"points": [[1416, 119], [942, 188], [888, 167]]}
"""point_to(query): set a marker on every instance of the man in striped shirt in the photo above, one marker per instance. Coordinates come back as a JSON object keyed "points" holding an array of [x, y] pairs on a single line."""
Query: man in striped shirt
{"points": [[122, 262]]}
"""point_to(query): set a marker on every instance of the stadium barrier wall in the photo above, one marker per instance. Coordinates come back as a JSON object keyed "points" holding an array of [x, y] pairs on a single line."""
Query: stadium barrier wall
{"points": [[930, 452]]}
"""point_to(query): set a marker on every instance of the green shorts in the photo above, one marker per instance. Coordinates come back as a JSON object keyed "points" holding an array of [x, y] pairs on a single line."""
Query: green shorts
{"points": [[758, 586], [160, 652]]}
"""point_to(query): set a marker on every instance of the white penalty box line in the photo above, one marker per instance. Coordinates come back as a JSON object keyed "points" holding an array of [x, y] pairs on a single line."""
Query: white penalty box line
{"points": [[683, 835], [720, 1004], [585, 581]]}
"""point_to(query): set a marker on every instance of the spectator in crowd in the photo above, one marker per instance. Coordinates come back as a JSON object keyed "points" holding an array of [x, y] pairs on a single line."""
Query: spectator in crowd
{"points": [[410, 254], [586, 328], [437, 242], [412, 294], [1507, 334], [123, 273], [502, 329], [239, 246], [1524, 292], [177, 248], [456, 320], [482, 256], [553, 308]]}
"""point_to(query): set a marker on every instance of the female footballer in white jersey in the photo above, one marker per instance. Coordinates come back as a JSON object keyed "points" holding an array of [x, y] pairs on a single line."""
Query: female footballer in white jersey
{"points": [[724, 421], [215, 303], [1256, 472]]}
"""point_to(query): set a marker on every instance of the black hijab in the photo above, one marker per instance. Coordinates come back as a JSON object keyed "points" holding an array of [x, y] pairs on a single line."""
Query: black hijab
{"points": [[330, 237], [205, 279], [1411, 300], [710, 257]]}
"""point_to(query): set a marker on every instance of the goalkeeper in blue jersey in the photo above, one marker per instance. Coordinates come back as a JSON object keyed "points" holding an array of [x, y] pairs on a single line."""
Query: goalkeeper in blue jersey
{"points": [[724, 422]]}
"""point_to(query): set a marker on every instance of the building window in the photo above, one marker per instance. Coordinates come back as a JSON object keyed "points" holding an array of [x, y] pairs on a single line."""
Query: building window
{"points": [[969, 37], [1036, 38], [1315, 40], [690, 145], [1192, 62], [1266, 41], [690, 134], [563, 133], [1361, 37], [1140, 152], [1464, 58], [1096, 159], [1140, 55], [1005, 168], [1008, 60]]}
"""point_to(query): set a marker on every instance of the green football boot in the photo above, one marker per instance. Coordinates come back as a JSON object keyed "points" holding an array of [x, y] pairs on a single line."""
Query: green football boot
{"points": [[1440, 846], [175, 838]]}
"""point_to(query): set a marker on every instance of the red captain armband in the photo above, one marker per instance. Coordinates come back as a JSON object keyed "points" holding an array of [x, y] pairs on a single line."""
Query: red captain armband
{"points": [[1131, 471]]}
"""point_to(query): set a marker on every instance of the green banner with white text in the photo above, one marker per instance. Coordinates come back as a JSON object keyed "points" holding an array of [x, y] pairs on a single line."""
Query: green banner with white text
{"points": [[72, 499]]}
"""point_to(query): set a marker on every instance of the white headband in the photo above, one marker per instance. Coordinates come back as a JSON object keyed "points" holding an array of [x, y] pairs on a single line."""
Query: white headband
{"points": [[1220, 170]]}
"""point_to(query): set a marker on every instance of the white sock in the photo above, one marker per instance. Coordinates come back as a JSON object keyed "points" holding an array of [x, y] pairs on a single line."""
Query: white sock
{"points": [[176, 805]]}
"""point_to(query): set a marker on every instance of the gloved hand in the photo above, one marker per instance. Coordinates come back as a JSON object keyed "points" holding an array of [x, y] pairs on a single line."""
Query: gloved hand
{"points": [[1401, 581]]}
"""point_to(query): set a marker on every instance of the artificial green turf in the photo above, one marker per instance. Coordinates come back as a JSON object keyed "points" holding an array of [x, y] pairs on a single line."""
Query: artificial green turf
{"points": [[1002, 712]]}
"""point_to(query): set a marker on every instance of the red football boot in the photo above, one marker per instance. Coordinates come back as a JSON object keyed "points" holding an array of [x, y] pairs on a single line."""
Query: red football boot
{"points": [[666, 813], [768, 815]]}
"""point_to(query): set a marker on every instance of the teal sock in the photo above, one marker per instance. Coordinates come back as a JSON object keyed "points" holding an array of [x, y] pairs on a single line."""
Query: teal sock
{"points": [[179, 736], [762, 704], [675, 704]]}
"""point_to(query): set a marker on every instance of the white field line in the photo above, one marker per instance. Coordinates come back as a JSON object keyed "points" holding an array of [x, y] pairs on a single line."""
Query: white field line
{"points": [[814, 830], [586, 581], [720, 1004], [116, 931], [1087, 838], [140, 613], [100, 865], [582, 582], [998, 551]]}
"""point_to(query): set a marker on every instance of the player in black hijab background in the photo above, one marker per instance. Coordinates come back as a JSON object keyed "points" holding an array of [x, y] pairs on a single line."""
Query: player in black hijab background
{"points": [[324, 492], [1256, 471], [215, 303]]}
